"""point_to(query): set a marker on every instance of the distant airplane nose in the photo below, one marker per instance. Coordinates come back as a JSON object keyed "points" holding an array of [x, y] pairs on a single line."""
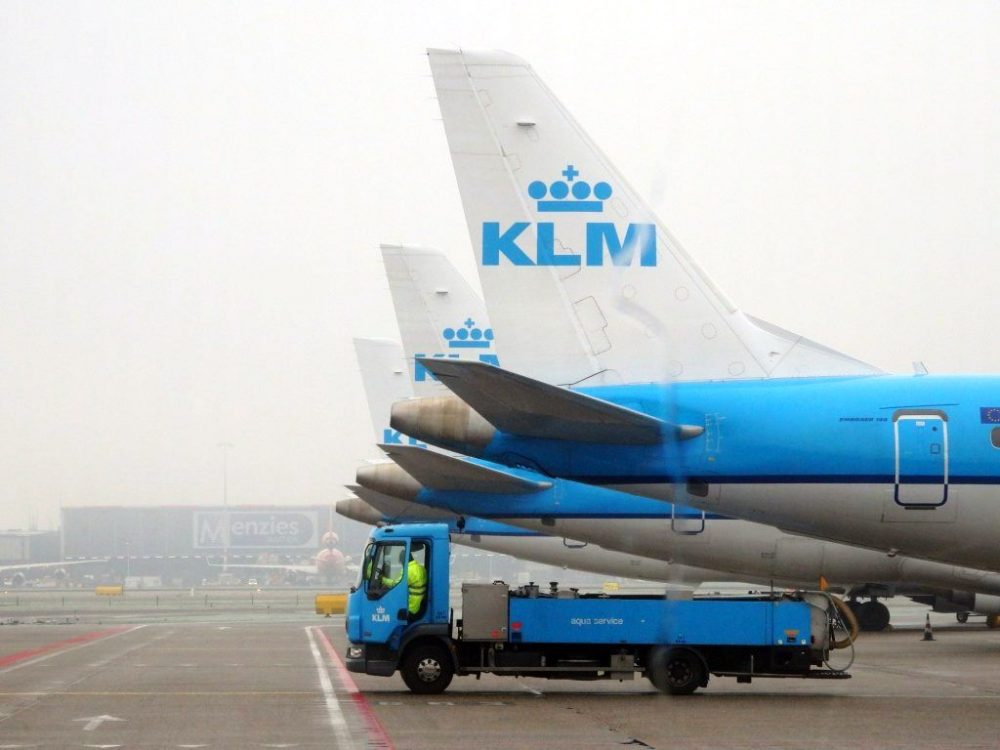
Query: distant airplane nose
{"points": [[445, 421], [389, 479]]}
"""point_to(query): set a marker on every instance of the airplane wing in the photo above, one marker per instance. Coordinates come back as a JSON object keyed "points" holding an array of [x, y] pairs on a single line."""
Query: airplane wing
{"points": [[49, 565], [310, 570], [438, 471], [522, 406]]}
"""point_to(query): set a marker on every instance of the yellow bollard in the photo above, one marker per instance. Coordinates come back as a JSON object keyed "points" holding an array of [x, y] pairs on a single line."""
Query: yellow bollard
{"points": [[331, 604]]}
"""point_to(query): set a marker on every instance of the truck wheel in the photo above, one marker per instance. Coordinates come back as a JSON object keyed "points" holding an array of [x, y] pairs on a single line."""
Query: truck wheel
{"points": [[676, 671], [427, 669]]}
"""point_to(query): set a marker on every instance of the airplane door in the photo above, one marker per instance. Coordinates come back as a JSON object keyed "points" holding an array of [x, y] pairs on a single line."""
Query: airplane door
{"points": [[686, 520], [921, 441], [385, 586]]}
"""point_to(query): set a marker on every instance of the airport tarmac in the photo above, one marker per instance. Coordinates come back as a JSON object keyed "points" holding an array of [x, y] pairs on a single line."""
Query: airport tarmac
{"points": [[254, 682]]}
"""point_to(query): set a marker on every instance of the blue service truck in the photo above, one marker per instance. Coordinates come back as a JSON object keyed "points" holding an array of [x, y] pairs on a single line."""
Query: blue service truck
{"points": [[560, 633]]}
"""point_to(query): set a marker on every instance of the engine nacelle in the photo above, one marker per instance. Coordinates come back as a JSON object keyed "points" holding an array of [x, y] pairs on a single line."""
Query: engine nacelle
{"points": [[963, 601]]}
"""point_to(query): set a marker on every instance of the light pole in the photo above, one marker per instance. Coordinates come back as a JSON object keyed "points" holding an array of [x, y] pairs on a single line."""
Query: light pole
{"points": [[225, 504], [225, 472]]}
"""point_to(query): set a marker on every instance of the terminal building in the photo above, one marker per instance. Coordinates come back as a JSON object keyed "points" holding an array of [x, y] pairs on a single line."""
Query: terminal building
{"points": [[24, 547], [194, 545], [186, 545]]}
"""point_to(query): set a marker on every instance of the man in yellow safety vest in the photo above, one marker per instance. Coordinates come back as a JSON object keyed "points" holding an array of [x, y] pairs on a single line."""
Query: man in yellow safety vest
{"points": [[416, 581]]}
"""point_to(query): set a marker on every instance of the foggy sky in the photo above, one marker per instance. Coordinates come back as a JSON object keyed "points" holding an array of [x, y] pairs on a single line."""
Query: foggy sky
{"points": [[192, 197]]}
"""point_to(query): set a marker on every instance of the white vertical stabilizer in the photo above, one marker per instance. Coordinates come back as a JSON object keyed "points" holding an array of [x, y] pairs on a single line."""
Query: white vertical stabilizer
{"points": [[573, 262], [386, 379], [438, 311]]}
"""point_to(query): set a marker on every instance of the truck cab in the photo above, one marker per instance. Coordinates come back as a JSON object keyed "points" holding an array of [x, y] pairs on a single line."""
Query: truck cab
{"points": [[380, 624]]}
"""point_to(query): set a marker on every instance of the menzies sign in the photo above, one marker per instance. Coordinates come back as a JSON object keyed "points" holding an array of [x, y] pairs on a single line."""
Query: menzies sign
{"points": [[241, 529]]}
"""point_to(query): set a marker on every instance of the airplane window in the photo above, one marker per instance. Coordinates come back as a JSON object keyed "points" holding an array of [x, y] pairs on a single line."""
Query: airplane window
{"points": [[995, 437]]}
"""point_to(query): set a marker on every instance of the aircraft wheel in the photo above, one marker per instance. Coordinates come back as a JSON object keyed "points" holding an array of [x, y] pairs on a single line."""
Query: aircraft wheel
{"points": [[962, 617], [427, 668], [873, 616], [677, 671]]}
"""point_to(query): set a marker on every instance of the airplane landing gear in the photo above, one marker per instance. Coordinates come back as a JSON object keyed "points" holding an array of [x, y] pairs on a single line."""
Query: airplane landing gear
{"points": [[962, 617]]}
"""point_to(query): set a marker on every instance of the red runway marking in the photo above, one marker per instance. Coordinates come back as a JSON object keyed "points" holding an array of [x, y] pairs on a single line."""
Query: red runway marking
{"points": [[376, 732], [31, 653]]}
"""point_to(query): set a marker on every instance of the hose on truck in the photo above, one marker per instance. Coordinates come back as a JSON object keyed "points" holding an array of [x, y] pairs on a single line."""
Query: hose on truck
{"points": [[848, 620]]}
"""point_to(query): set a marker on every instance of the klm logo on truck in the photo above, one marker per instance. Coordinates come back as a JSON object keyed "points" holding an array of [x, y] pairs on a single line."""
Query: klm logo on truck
{"points": [[466, 337], [380, 615], [602, 239]]}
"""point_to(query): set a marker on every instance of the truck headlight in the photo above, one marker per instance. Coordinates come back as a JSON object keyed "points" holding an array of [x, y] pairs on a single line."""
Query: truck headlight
{"points": [[355, 652]]}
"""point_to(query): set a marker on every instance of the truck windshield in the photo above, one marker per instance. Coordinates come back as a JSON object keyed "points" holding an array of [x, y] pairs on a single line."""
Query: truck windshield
{"points": [[386, 569], [365, 566]]}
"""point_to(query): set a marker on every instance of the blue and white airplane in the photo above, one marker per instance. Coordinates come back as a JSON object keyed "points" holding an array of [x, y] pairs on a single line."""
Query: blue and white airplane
{"points": [[725, 412], [425, 288], [384, 373]]}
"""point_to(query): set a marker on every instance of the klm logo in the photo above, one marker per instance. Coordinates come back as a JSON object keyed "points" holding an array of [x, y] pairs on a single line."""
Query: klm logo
{"points": [[380, 615], [395, 437], [466, 336], [602, 238]]}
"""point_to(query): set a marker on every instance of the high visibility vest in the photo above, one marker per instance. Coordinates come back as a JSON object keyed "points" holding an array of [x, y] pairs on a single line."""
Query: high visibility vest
{"points": [[416, 579]]}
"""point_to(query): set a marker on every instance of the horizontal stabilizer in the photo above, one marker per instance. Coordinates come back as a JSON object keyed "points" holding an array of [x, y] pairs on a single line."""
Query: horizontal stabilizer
{"points": [[394, 507], [437, 471], [522, 406]]}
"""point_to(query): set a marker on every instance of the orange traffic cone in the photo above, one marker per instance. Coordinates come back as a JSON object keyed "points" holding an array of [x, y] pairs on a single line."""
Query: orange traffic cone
{"points": [[928, 633]]}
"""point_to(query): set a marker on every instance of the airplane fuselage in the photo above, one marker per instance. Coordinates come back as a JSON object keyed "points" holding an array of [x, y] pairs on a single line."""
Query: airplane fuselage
{"points": [[895, 463]]}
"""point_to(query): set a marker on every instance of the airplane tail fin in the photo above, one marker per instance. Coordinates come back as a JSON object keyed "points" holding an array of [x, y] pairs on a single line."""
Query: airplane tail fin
{"points": [[438, 312], [574, 263], [386, 381]]}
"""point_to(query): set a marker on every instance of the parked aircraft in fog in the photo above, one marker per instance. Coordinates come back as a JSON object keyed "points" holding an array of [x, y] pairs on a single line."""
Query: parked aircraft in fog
{"points": [[675, 393], [430, 296]]}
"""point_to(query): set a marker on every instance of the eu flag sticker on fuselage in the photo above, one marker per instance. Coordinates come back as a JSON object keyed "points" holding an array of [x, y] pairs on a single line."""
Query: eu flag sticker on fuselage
{"points": [[989, 414], [600, 238]]}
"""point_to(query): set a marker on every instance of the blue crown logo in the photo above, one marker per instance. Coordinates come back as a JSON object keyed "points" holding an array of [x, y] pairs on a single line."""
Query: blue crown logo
{"points": [[586, 199], [468, 336]]}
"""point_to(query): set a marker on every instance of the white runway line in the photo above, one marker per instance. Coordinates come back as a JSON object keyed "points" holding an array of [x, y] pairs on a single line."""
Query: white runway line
{"points": [[333, 710]]}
